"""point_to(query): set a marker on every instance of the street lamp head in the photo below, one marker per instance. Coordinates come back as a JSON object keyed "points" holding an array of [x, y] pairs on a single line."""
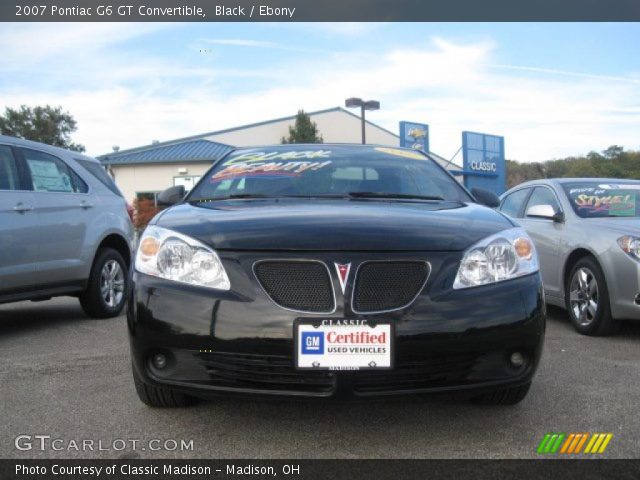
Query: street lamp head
{"points": [[368, 105], [372, 105], [353, 102]]}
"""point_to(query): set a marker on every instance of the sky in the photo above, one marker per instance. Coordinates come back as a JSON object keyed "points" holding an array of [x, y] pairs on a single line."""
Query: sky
{"points": [[552, 90]]}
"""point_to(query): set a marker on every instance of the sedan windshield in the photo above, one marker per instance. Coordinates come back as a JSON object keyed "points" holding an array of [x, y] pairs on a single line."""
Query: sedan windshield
{"points": [[601, 199], [329, 171]]}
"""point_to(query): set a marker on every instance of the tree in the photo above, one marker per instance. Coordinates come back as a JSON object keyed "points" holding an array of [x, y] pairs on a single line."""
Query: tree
{"points": [[614, 151], [46, 124], [614, 162], [304, 130]]}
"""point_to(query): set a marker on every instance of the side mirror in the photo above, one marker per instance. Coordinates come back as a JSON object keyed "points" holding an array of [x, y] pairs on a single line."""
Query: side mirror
{"points": [[171, 196], [545, 211], [485, 197]]}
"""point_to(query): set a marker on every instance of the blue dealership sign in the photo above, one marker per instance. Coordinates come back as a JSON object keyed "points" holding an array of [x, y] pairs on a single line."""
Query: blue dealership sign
{"points": [[483, 160], [414, 135]]}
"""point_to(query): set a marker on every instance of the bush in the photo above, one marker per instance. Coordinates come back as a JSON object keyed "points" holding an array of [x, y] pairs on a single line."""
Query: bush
{"points": [[144, 209]]}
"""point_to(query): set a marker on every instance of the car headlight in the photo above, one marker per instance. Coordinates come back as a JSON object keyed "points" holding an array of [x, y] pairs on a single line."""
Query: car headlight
{"points": [[630, 245], [502, 256], [167, 254]]}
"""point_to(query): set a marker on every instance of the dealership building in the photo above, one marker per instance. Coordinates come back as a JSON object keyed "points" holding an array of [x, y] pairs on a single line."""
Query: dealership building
{"points": [[145, 171]]}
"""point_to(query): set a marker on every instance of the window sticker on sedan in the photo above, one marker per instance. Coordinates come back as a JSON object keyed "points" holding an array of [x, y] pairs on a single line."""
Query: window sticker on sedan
{"points": [[267, 169], [615, 203]]}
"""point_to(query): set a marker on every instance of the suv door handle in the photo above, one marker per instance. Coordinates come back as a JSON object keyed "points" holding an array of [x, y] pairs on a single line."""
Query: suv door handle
{"points": [[21, 208], [85, 204]]}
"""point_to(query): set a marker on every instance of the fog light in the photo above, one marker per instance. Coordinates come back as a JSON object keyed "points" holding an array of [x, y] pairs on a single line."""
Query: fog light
{"points": [[517, 359], [159, 361]]}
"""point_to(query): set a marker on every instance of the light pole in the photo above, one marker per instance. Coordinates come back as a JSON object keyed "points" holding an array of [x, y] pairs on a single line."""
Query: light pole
{"points": [[364, 105]]}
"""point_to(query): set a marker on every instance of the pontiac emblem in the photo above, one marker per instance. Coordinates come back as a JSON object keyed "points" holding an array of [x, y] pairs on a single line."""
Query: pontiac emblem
{"points": [[343, 274]]}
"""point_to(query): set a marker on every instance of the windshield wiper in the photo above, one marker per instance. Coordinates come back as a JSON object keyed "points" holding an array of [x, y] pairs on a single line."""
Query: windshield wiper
{"points": [[393, 195], [230, 197], [235, 196]]}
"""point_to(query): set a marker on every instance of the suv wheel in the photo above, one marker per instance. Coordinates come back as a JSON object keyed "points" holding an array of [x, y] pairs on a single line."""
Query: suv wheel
{"points": [[105, 295], [159, 396], [587, 299]]}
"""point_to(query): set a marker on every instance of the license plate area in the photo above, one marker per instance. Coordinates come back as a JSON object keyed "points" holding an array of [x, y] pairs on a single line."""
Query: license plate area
{"points": [[343, 344]]}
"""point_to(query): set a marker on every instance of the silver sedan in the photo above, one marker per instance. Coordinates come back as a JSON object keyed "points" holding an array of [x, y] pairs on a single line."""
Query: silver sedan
{"points": [[587, 234]]}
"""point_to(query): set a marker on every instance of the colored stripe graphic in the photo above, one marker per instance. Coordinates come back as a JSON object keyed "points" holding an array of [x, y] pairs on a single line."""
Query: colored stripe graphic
{"points": [[567, 442], [607, 439], [581, 443], [576, 439], [596, 446], [551, 443], [556, 445], [543, 443], [573, 443], [590, 444], [599, 442]]}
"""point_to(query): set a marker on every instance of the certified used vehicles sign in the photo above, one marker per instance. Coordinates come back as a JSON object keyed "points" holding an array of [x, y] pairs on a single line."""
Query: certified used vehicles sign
{"points": [[343, 344]]}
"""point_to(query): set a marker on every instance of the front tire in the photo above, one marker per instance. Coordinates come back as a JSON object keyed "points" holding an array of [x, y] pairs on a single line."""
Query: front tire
{"points": [[503, 396], [106, 291], [159, 397], [587, 299]]}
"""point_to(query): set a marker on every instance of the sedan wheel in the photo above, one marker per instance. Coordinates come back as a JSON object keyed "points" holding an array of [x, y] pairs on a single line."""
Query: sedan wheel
{"points": [[583, 296], [587, 299]]}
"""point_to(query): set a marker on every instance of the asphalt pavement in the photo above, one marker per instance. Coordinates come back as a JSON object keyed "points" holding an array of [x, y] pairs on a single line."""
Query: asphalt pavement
{"points": [[67, 377]]}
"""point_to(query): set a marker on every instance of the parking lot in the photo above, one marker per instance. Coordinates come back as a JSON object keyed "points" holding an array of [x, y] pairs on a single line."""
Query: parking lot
{"points": [[67, 376]]}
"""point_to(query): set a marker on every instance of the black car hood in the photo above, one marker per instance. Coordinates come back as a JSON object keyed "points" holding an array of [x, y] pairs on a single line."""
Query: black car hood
{"points": [[337, 225]]}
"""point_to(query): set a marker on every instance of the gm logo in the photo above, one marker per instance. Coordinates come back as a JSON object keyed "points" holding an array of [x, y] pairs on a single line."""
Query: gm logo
{"points": [[313, 343]]}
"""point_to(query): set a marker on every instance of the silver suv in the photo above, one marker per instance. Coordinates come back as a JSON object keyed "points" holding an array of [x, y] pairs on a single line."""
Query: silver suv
{"points": [[64, 228]]}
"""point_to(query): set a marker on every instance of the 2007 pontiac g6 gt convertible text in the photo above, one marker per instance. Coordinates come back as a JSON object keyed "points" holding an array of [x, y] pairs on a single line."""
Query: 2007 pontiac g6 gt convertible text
{"points": [[333, 271]]}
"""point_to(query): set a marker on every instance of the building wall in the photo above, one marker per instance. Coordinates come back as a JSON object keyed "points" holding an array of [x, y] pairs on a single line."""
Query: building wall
{"points": [[334, 126], [152, 177]]}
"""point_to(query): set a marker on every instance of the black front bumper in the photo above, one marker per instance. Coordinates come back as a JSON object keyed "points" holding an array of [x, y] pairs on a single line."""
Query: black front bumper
{"points": [[241, 342]]}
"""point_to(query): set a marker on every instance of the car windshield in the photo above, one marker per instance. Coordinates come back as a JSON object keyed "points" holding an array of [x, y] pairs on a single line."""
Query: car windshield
{"points": [[602, 199], [328, 171]]}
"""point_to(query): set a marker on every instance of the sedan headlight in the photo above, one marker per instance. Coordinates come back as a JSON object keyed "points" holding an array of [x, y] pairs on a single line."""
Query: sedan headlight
{"points": [[630, 245], [167, 254], [502, 256]]}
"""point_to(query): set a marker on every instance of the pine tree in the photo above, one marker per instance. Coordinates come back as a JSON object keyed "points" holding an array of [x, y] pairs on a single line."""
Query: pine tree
{"points": [[304, 130]]}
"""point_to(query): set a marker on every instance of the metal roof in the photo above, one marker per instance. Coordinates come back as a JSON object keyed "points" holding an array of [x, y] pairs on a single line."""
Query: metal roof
{"points": [[180, 152]]}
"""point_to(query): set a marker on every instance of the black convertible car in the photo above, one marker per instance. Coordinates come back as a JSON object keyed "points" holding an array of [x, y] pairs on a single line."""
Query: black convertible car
{"points": [[333, 271]]}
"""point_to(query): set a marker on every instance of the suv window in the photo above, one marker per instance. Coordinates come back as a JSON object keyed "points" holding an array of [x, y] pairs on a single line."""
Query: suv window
{"points": [[512, 203], [9, 178], [101, 174], [50, 174], [543, 196]]}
